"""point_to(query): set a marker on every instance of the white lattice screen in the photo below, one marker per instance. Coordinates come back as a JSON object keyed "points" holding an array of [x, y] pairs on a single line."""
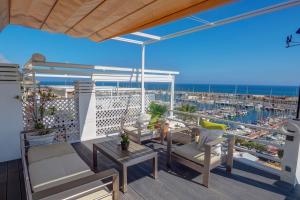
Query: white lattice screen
{"points": [[112, 109], [65, 118]]}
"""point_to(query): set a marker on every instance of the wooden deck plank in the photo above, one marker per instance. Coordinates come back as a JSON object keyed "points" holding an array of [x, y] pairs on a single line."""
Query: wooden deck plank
{"points": [[190, 179], [3, 180], [180, 182], [13, 181], [22, 183]]}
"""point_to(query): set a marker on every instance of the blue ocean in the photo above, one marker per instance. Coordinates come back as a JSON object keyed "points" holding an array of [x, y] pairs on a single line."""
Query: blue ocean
{"points": [[214, 88]]}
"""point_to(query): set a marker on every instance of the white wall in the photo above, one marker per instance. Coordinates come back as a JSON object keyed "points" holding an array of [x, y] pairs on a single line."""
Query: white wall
{"points": [[87, 109], [10, 121]]}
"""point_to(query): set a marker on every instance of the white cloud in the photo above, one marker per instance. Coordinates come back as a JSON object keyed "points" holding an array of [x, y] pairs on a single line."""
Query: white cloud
{"points": [[3, 59]]}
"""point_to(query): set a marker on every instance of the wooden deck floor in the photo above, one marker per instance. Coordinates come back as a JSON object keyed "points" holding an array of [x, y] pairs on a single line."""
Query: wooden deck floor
{"points": [[178, 183]]}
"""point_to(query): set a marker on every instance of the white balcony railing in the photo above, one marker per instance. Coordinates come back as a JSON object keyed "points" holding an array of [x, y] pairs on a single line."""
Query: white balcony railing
{"points": [[194, 119]]}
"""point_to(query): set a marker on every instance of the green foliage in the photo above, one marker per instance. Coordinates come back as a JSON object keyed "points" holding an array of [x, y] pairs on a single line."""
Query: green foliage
{"points": [[280, 153], [124, 138], [251, 145], [187, 108], [153, 121], [156, 111], [39, 108], [39, 125]]}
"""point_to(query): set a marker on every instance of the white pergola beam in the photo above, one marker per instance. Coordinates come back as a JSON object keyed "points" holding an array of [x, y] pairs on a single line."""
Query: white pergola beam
{"points": [[146, 35], [57, 65], [236, 18], [197, 19], [61, 76], [105, 77], [122, 39]]}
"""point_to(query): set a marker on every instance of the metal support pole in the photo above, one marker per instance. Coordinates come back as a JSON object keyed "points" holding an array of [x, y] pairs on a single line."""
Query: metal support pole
{"points": [[172, 96], [142, 80], [298, 107], [118, 88], [34, 94]]}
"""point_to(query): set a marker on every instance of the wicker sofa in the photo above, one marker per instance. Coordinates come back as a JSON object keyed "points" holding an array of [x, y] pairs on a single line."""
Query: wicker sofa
{"points": [[55, 171]]}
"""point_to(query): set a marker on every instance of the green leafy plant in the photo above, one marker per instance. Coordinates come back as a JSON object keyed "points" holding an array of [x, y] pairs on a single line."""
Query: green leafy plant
{"points": [[188, 109], [251, 145], [124, 138], [156, 111], [39, 109], [280, 153]]}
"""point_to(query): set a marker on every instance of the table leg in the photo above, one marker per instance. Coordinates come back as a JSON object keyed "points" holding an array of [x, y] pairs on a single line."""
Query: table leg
{"points": [[95, 159], [154, 165], [124, 179]]}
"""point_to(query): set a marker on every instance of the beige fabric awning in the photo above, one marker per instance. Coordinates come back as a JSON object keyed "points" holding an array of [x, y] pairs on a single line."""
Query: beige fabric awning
{"points": [[98, 19]]}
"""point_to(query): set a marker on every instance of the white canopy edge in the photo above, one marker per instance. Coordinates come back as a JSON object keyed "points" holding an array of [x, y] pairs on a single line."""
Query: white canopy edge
{"points": [[207, 24], [113, 77], [96, 73], [31, 65]]}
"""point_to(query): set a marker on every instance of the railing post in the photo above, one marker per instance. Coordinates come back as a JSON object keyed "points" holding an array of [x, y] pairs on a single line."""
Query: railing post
{"points": [[169, 148], [172, 96], [85, 91], [291, 157], [198, 120]]}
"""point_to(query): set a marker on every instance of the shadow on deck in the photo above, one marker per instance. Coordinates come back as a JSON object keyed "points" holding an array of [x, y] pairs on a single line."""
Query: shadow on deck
{"points": [[180, 182]]}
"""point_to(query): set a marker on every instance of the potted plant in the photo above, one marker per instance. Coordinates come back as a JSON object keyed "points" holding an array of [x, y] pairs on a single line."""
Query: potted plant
{"points": [[124, 141], [40, 133]]}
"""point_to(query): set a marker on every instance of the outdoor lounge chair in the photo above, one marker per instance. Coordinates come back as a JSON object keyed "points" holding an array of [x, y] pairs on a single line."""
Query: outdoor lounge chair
{"points": [[185, 135], [200, 160], [139, 132], [55, 171]]}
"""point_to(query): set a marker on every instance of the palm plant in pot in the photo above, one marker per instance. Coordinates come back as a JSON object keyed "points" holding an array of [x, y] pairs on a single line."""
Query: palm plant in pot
{"points": [[157, 111], [124, 141], [39, 111]]}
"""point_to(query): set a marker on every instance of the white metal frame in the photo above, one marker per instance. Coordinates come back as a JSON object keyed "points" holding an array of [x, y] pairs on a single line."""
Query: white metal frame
{"points": [[206, 25], [34, 69]]}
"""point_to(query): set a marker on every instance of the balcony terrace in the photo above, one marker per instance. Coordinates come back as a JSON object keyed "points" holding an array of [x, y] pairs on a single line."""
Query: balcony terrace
{"points": [[180, 182], [91, 114]]}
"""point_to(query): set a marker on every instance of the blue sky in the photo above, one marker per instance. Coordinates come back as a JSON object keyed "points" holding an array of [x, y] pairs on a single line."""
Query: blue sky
{"points": [[248, 52]]}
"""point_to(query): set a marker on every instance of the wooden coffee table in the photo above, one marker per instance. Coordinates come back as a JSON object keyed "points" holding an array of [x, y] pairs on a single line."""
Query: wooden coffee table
{"points": [[136, 154]]}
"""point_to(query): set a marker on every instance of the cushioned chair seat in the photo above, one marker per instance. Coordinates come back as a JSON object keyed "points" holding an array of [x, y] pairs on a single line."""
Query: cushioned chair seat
{"points": [[79, 193], [134, 130], [192, 152], [100, 193], [38, 153]]}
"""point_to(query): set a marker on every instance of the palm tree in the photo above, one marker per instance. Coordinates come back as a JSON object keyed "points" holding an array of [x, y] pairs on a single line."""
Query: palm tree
{"points": [[188, 109], [156, 111]]}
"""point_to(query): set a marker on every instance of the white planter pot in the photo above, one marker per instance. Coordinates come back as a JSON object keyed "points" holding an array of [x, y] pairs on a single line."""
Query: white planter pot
{"points": [[34, 139]]}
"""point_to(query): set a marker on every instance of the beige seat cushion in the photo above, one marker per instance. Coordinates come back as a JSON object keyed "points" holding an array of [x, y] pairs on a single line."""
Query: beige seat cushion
{"points": [[57, 170], [80, 193], [192, 152], [48, 151], [134, 130]]}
